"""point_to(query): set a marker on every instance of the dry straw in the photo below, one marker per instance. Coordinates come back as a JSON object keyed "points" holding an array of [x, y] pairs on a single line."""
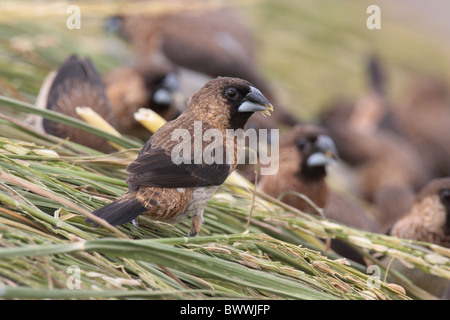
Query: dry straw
{"points": [[44, 198]]}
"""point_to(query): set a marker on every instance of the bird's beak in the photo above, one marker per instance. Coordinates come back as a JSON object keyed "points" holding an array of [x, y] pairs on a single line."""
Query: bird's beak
{"points": [[114, 24], [168, 87], [163, 96], [326, 152], [255, 101]]}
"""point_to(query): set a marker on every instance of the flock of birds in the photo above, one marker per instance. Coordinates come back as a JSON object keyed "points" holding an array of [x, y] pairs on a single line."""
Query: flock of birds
{"points": [[398, 155]]}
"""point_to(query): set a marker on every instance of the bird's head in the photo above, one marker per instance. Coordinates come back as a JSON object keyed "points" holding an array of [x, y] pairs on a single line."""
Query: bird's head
{"points": [[316, 148], [161, 89], [439, 190], [228, 103]]}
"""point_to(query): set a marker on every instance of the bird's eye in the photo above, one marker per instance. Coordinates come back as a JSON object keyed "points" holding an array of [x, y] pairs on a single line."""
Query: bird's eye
{"points": [[231, 93], [301, 144], [445, 195]]}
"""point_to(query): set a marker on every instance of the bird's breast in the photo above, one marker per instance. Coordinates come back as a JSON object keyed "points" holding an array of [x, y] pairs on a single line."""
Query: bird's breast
{"points": [[199, 199]]}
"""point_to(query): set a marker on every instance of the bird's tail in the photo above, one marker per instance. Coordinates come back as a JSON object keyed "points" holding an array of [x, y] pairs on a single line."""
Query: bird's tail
{"points": [[120, 211], [75, 84]]}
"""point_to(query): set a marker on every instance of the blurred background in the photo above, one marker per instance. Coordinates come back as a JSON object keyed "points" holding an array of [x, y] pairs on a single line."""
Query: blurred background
{"points": [[310, 51]]}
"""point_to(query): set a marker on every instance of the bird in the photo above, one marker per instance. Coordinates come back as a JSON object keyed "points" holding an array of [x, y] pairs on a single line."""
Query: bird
{"points": [[162, 187], [143, 85], [75, 84], [305, 152], [389, 173], [428, 220], [390, 203], [423, 117], [348, 120], [387, 167], [210, 40]]}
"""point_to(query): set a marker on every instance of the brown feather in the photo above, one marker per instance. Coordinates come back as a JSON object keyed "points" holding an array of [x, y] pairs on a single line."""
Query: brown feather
{"points": [[424, 118], [213, 40], [428, 218], [295, 175], [290, 176], [77, 84], [163, 190], [130, 88]]}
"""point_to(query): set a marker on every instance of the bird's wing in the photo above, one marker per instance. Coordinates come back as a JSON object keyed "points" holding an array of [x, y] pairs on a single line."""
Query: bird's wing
{"points": [[154, 167]]}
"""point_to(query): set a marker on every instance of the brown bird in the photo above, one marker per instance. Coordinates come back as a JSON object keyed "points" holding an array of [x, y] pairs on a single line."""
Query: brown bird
{"points": [[162, 187], [76, 84], [385, 164], [428, 219], [211, 40], [424, 119], [143, 85], [393, 162], [352, 123], [304, 154], [389, 172], [388, 168]]}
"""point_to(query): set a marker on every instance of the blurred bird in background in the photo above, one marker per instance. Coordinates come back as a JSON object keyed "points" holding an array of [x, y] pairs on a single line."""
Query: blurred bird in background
{"points": [[304, 155], [389, 169], [348, 120], [428, 219], [201, 44], [75, 84], [143, 85], [424, 119]]}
